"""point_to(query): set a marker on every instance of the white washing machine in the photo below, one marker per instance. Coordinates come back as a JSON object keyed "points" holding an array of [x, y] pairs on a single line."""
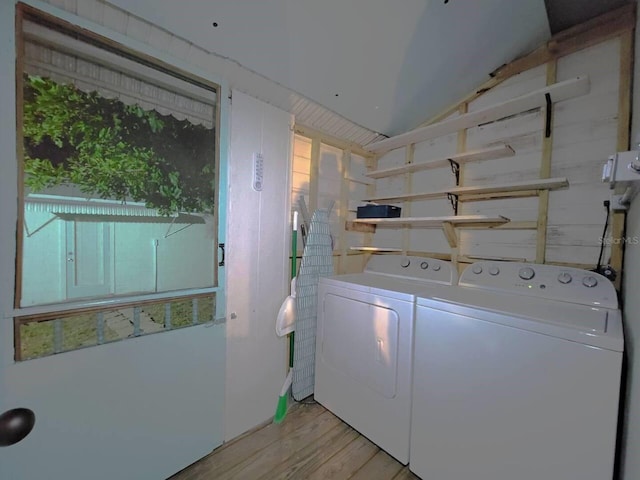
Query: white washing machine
{"points": [[364, 344], [517, 376]]}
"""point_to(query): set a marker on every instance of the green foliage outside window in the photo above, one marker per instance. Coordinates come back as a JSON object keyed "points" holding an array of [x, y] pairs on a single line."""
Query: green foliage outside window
{"points": [[115, 151]]}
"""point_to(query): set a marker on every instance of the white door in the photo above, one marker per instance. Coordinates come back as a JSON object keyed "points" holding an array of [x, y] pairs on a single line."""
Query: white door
{"points": [[88, 259], [140, 408]]}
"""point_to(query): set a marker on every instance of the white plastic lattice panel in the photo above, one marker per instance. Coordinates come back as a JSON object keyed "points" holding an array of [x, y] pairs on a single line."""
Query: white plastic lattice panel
{"points": [[317, 261]]}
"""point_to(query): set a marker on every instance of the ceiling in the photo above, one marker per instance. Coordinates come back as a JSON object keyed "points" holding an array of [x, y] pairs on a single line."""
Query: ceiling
{"points": [[386, 65]]}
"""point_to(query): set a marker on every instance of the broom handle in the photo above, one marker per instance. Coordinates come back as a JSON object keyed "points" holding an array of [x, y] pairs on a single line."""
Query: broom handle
{"points": [[294, 254]]}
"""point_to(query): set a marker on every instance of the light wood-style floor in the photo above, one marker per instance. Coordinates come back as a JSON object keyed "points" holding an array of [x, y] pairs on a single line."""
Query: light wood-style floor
{"points": [[310, 444]]}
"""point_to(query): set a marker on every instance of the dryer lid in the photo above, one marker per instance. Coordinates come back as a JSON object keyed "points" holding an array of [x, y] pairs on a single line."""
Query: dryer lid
{"points": [[385, 285], [594, 326]]}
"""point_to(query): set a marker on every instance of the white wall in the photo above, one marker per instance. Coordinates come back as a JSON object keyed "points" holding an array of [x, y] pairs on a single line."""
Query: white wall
{"points": [[631, 287], [631, 306], [258, 267]]}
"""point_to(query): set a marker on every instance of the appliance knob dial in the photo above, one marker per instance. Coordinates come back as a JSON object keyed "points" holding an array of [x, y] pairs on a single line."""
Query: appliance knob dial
{"points": [[424, 265], [526, 273], [405, 263], [494, 271], [436, 267], [564, 278], [590, 281], [477, 269]]}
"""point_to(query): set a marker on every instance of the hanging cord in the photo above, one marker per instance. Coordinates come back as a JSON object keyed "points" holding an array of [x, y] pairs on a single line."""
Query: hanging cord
{"points": [[604, 233]]}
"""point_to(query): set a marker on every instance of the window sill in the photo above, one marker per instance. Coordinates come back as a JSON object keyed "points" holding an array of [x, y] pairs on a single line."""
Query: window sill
{"points": [[100, 303]]}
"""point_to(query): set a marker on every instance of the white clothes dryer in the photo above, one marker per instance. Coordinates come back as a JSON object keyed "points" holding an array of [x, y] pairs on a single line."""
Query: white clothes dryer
{"points": [[364, 344], [517, 376]]}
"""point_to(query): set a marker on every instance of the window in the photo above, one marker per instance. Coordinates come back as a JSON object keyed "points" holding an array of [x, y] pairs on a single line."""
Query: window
{"points": [[118, 203]]}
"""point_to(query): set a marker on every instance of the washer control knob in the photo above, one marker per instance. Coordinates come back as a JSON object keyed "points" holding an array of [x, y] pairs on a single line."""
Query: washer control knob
{"points": [[590, 281], [424, 265], [526, 273], [436, 267], [494, 271], [564, 278], [477, 269], [405, 263]]}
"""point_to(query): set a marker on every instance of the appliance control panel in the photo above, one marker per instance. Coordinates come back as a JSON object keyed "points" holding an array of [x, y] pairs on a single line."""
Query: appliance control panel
{"points": [[544, 281], [413, 268]]}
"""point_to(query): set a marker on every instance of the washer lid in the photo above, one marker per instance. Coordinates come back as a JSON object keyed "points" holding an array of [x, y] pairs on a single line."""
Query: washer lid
{"points": [[594, 326], [385, 285]]}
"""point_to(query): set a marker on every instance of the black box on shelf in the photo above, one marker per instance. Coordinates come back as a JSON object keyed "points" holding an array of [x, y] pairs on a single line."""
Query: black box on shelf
{"points": [[378, 211]]}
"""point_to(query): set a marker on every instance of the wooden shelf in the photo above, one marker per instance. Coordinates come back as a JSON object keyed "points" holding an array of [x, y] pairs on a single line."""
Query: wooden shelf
{"points": [[363, 181], [473, 156], [459, 221], [534, 185], [364, 248], [574, 87]]}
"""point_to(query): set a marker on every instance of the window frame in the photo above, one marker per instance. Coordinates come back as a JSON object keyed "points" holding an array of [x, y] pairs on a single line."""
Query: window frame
{"points": [[79, 29]]}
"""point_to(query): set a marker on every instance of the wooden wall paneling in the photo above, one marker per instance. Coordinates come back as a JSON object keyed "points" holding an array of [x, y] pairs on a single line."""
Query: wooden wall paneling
{"points": [[406, 205], [394, 237], [436, 255], [343, 207], [494, 190], [464, 157], [545, 170], [300, 183], [623, 143], [452, 237], [597, 30], [492, 196], [330, 140], [314, 175], [581, 36], [584, 134], [450, 233], [564, 90], [372, 164]]}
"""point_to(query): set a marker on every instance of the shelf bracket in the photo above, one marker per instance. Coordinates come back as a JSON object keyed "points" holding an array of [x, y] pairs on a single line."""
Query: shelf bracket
{"points": [[549, 112], [454, 200], [455, 168]]}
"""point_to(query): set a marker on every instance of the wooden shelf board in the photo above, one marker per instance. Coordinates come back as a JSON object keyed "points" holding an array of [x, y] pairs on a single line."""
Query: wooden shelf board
{"points": [[363, 181], [435, 222], [364, 248], [498, 195], [539, 184], [533, 225], [558, 91], [466, 157], [360, 227]]}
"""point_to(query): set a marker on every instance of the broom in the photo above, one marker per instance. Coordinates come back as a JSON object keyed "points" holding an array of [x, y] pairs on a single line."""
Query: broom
{"points": [[281, 409]]}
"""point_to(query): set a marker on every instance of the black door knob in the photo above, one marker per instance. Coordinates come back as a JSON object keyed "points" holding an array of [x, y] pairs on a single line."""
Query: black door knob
{"points": [[15, 425]]}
